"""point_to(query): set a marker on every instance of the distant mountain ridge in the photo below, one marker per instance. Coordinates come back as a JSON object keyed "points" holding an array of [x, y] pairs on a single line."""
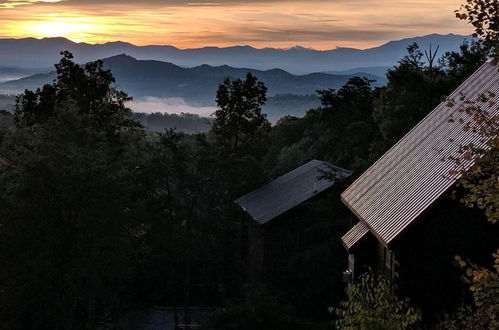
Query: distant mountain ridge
{"points": [[196, 85], [288, 94], [379, 71], [42, 53]]}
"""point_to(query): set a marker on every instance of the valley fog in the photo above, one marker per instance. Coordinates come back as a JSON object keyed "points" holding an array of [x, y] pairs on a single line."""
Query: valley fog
{"points": [[171, 105]]}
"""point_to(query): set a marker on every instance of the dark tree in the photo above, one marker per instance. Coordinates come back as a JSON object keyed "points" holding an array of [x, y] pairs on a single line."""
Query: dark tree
{"points": [[461, 64], [414, 88], [347, 114], [484, 16], [239, 121], [67, 196]]}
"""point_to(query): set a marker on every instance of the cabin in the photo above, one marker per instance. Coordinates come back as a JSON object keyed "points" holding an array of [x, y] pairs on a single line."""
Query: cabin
{"points": [[278, 215], [409, 227]]}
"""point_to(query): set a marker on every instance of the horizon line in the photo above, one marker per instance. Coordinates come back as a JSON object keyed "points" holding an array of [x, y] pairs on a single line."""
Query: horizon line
{"points": [[235, 45]]}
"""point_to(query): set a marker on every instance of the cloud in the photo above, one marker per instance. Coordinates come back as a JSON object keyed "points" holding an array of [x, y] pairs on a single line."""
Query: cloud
{"points": [[205, 2], [321, 24], [291, 34], [16, 3]]}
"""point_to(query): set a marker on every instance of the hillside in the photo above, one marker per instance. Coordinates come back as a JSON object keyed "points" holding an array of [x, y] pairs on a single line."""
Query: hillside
{"points": [[288, 93]]}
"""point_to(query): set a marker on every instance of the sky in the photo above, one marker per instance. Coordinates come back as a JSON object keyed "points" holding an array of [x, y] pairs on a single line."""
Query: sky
{"points": [[319, 24]]}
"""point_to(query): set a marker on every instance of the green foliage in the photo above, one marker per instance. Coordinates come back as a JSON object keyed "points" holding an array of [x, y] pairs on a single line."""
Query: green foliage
{"points": [[89, 89], [194, 231], [345, 121], [370, 305], [185, 210], [185, 122], [482, 183], [357, 123], [281, 105], [484, 16], [290, 157], [461, 64], [66, 195], [482, 180], [414, 88], [239, 123], [483, 284]]}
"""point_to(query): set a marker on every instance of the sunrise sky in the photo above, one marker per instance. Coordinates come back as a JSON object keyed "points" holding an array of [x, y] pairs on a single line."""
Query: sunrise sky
{"points": [[320, 24]]}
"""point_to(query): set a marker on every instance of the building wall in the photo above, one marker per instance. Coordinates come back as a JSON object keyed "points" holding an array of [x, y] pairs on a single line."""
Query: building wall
{"points": [[256, 250], [420, 262], [303, 258], [426, 251]]}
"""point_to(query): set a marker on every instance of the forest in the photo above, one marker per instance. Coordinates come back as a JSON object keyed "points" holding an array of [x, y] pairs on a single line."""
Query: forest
{"points": [[100, 217]]}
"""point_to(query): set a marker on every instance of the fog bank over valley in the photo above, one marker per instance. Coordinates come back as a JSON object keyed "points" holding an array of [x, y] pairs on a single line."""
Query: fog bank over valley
{"points": [[169, 105]]}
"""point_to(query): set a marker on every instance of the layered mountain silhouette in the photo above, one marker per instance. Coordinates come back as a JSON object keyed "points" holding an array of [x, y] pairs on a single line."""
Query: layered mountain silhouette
{"points": [[12, 72], [197, 85], [42, 53], [148, 71]]}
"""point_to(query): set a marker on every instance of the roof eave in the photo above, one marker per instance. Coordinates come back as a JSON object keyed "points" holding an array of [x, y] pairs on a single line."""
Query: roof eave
{"points": [[379, 238]]}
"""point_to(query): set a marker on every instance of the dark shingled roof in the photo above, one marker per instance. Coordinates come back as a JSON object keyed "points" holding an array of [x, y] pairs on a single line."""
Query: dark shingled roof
{"points": [[289, 190]]}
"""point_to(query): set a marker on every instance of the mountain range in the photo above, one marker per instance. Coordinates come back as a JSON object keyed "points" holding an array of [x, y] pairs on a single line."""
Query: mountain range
{"points": [[168, 79], [43, 53], [198, 85]]}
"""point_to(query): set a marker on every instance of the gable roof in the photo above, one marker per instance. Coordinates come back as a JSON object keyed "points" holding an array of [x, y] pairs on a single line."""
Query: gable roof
{"points": [[289, 190], [413, 174], [354, 235]]}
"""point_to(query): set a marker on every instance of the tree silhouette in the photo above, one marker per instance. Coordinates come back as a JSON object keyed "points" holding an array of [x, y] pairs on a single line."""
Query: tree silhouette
{"points": [[240, 121]]}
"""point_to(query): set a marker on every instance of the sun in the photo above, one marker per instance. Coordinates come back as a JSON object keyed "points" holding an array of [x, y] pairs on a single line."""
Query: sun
{"points": [[73, 29]]}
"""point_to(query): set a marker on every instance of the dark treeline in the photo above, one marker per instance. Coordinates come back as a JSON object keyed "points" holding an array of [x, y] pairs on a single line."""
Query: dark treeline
{"points": [[99, 217], [185, 122], [281, 105], [277, 106]]}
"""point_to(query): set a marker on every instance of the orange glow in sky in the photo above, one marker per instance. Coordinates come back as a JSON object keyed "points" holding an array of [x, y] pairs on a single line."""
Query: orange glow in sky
{"points": [[320, 24]]}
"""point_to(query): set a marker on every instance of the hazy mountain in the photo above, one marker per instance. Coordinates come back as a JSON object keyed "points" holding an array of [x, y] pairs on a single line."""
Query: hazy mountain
{"points": [[196, 85], [13, 72], [44, 52], [379, 71]]}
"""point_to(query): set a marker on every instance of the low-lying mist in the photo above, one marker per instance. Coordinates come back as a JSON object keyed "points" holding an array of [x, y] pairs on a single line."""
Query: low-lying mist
{"points": [[8, 77], [169, 105]]}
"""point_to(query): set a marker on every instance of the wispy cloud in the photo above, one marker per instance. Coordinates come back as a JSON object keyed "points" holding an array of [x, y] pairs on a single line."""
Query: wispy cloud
{"points": [[321, 24], [16, 3]]}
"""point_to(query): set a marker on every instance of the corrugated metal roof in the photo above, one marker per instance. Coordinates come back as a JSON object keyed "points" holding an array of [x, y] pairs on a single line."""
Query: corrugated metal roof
{"points": [[407, 179], [354, 235], [289, 190]]}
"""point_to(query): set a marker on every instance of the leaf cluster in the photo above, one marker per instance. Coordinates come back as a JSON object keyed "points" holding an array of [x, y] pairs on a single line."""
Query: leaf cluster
{"points": [[369, 304]]}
